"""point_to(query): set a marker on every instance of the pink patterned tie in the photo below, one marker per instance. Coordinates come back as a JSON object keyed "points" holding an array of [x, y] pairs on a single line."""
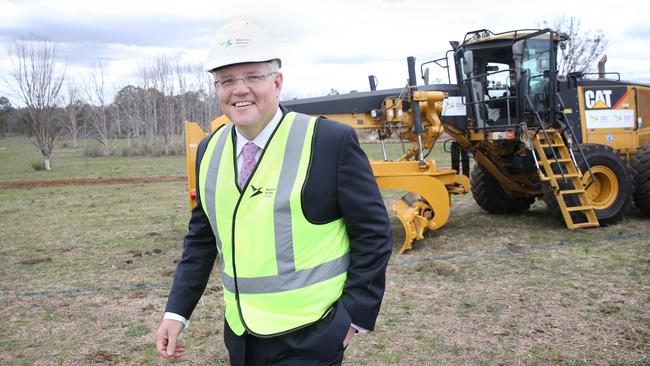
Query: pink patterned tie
{"points": [[249, 151]]}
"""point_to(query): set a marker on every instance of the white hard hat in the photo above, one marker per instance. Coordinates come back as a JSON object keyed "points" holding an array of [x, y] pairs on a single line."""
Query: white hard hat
{"points": [[240, 42]]}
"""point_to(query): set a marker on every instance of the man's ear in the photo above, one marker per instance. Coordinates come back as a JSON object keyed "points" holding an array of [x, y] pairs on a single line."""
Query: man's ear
{"points": [[278, 83]]}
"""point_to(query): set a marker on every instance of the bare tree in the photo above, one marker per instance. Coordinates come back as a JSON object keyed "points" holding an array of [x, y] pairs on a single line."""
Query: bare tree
{"points": [[159, 75], [152, 98], [583, 48], [73, 107], [208, 108], [163, 76], [185, 98], [129, 103], [99, 113], [196, 99], [38, 85]]}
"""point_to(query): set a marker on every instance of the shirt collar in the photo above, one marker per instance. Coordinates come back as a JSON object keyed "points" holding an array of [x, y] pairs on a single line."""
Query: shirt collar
{"points": [[263, 136]]}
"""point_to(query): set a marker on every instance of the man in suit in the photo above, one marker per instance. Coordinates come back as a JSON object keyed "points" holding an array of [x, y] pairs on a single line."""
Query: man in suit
{"points": [[291, 204]]}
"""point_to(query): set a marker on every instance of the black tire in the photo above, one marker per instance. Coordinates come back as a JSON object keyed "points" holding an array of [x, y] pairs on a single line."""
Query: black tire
{"points": [[490, 196], [641, 173], [611, 193]]}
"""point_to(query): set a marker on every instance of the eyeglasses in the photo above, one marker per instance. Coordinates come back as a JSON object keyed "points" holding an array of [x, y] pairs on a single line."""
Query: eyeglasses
{"points": [[252, 79]]}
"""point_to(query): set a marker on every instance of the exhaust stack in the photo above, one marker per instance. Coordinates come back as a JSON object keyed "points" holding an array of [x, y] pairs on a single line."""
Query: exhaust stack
{"points": [[601, 67]]}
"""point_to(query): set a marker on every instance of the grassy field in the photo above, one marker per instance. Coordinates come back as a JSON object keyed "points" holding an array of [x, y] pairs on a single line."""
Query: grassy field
{"points": [[18, 154], [86, 270]]}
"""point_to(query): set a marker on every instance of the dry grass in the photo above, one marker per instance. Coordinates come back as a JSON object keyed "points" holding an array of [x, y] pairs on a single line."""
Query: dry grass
{"points": [[85, 273]]}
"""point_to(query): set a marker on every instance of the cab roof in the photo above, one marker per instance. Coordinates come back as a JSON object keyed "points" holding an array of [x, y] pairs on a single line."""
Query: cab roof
{"points": [[484, 35]]}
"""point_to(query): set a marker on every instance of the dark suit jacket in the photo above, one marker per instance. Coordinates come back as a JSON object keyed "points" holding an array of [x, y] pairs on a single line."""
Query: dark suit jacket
{"points": [[340, 184]]}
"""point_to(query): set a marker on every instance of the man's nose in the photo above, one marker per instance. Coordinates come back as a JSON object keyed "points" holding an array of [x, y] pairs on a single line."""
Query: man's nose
{"points": [[240, 87]]}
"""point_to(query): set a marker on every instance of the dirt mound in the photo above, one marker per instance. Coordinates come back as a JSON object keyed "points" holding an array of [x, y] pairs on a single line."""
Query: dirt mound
{"points": [[90, 181]]}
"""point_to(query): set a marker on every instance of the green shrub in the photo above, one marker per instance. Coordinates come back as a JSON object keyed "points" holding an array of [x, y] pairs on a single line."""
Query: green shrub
{"points": [[38, 165], [93, 152], [173, 150], [132, 151]]}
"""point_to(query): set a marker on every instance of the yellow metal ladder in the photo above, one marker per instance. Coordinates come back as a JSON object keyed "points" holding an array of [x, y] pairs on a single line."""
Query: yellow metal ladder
{"points": [[557, 167]]}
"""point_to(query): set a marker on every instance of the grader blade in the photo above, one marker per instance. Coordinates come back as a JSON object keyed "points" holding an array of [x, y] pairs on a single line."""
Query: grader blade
{"points": [[426, 207], [413, 212]]}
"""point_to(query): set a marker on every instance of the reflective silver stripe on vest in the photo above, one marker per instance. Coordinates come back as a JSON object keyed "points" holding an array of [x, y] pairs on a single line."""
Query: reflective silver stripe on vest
{"points": [[288, 281], [282, 208], [211, 181]]}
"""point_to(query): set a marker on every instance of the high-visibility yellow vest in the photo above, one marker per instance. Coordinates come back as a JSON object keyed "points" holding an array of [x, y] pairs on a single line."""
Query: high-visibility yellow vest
{"points": [[280, 271]]}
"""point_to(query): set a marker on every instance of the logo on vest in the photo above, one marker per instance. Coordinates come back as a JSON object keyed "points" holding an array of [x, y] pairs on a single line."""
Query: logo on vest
{"points": [[256, 191], [268, 192]]}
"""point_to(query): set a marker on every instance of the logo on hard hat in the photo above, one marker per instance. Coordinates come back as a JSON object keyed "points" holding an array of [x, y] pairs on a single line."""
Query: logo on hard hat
{"points": [[225, 44], [235, 42]]}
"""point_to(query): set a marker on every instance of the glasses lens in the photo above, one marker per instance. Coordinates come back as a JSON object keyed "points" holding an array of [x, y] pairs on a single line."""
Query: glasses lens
{"points": [[248, 80]]}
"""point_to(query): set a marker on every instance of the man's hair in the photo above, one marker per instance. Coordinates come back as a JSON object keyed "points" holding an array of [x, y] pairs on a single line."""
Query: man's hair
{"points": [[274, 65]]}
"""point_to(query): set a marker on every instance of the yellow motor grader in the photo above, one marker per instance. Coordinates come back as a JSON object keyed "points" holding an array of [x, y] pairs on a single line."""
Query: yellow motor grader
{"points": [[580, 144], [532, 133]]}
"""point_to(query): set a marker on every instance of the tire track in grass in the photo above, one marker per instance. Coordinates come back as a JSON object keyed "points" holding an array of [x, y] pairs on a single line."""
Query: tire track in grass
{"points": [[90, 181]]}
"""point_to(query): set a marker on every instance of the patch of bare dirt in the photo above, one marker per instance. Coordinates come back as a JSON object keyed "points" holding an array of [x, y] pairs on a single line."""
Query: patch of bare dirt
{"points": [[431, 267], [36, 261], [136, 294], [90, 181], [100, 357]]}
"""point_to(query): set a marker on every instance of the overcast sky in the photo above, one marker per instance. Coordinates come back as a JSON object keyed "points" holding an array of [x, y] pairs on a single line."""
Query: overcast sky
{"points": [[324, 44]]}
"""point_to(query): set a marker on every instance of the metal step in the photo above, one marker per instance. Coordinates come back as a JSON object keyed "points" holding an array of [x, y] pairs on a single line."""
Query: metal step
{"points": [[572, 191], [579, 208], [568, 175], [561, 161], [585, 225]]}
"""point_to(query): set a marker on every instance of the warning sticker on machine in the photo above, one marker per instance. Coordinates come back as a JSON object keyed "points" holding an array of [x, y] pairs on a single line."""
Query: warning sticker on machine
{"points": [[610, 118], [453, 106]]}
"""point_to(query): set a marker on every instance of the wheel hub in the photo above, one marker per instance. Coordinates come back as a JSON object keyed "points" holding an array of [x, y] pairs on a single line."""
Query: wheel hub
{"points": [[604, 190]]}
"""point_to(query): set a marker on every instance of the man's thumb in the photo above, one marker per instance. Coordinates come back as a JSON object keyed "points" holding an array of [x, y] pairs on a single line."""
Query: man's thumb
{"points": [[171, 345]]}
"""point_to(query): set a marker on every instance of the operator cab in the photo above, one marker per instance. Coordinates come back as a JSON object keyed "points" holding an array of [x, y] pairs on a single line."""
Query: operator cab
{"points": [[507, 78]]}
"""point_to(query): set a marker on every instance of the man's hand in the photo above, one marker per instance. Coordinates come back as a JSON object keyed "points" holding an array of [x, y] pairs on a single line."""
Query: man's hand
{"points": [[167, 343], [349, 336]]}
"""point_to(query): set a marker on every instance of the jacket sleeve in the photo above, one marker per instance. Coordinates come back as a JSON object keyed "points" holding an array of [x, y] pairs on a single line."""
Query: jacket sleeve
{"points": [[199, 253], [369, 230]]}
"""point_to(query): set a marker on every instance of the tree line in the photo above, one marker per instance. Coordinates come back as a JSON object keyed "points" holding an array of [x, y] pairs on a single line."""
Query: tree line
{"points": [[148, 114]]}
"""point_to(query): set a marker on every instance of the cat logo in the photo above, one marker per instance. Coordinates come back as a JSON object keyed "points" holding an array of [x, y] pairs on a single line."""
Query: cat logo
{"points": [[598, 99]]}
